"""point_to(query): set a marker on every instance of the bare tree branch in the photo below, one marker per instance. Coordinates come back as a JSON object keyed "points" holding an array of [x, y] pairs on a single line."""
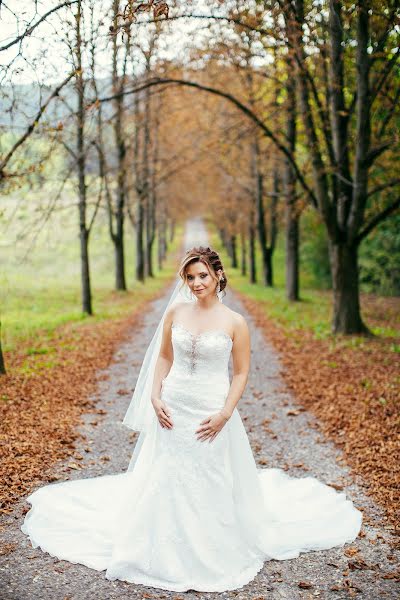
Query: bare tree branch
{"points": [[33, 125], [29, 30]]}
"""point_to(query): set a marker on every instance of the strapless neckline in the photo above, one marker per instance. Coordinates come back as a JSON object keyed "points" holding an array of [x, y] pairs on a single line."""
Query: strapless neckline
{"points": [[203, 333]]}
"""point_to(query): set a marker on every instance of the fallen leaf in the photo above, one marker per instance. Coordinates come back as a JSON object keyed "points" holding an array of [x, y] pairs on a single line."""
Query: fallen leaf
{"points": [[305, 585], [351, 551]]}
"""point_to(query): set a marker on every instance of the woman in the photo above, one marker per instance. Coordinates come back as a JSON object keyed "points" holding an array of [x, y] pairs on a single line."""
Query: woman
{"points": [[203, 277], [192, 511]]}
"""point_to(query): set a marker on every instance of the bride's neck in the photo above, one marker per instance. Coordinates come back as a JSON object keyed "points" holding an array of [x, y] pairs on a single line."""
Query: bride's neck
{"points": [[206, 303]]}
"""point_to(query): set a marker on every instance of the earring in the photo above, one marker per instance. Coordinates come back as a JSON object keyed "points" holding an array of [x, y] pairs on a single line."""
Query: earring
{"points": [[219, 284]]}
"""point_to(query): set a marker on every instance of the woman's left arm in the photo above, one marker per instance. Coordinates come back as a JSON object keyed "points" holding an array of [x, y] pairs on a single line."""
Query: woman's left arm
{"points": [[211, 426], [241, 365]]}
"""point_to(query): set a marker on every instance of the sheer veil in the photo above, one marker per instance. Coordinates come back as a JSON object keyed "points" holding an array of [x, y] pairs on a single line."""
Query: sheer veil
{"points": [[140, 413]]}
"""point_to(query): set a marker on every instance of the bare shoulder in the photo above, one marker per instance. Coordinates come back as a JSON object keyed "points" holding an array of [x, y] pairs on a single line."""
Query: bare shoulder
{"points": [[175, 309], [239, 323]]}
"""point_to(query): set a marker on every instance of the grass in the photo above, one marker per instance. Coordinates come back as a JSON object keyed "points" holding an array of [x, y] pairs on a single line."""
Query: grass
{"points": [[40, 283]]}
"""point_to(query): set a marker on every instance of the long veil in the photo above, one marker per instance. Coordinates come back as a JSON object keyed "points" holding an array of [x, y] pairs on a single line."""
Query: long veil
{"points": [[140, 413]]}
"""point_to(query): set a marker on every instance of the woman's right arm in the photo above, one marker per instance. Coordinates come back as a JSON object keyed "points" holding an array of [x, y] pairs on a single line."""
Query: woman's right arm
{"points": [[162, 368]]}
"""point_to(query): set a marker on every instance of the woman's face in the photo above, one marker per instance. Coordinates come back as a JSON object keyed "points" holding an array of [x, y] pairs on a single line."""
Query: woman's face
{"points": [[200, 280]]}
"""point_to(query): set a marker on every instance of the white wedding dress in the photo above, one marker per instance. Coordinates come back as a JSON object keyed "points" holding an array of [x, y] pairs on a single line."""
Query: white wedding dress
{"points": [[190, 514]]}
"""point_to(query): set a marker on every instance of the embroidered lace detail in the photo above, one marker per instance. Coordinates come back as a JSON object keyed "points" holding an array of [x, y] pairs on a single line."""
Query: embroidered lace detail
{"points": [[203, 355], [207, 332], [193, 356]]}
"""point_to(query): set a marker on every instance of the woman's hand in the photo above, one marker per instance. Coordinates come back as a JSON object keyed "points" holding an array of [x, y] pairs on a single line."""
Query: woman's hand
{"points": [[162, 412], [211, 426]]}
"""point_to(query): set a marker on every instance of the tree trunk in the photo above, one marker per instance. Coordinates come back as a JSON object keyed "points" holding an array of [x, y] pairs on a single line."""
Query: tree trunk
{"points": [[222, 237], [227, 242], [171, 230], [152, 220], [150, 229], [342, 215], [344, 252], [243, 255], [118, 89], [160, 235], [266, 250], [147, 187], [341, 183], [2, 363], [165, 230], [291, 215], [81, 165], [149, 239], [232, 244], [252, 254], [120, 282], [85, 271], [229, 248], [118, 238], [346, 311], [262, 234], [257, 179], [160, 258], [140, 165], [273, 227], [292, 251], [269, 273], [139, 241]]}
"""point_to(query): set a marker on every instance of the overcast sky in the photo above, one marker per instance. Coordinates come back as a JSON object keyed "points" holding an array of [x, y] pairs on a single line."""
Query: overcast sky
{"points": [[45, 50]]}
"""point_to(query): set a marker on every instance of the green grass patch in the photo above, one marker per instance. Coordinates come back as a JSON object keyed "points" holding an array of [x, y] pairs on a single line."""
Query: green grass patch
{"points": [[40, 286]]}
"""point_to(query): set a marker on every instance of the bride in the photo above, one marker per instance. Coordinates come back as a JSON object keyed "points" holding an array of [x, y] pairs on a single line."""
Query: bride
{"points": [[192, 511]]}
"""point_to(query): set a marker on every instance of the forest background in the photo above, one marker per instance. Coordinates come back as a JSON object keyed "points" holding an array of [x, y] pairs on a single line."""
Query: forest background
{"points": [[277, 122]]}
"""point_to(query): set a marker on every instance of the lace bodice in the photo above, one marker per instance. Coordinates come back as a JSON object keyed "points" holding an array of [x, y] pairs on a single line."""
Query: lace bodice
{"points": [[201, 356]]}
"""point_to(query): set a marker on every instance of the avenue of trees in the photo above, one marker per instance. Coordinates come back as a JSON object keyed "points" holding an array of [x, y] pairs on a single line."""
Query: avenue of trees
{"points": [[259, 114]]}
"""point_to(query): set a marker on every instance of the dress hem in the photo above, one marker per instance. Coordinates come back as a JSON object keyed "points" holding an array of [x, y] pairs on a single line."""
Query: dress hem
{"points": [[246, 576]]}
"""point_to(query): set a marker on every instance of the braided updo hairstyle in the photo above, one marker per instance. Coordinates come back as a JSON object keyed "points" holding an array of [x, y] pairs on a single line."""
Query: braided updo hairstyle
{"points": [[209, 257]]}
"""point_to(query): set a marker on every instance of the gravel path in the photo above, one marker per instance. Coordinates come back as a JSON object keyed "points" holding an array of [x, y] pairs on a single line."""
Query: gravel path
{"points": [[281, 435]]}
